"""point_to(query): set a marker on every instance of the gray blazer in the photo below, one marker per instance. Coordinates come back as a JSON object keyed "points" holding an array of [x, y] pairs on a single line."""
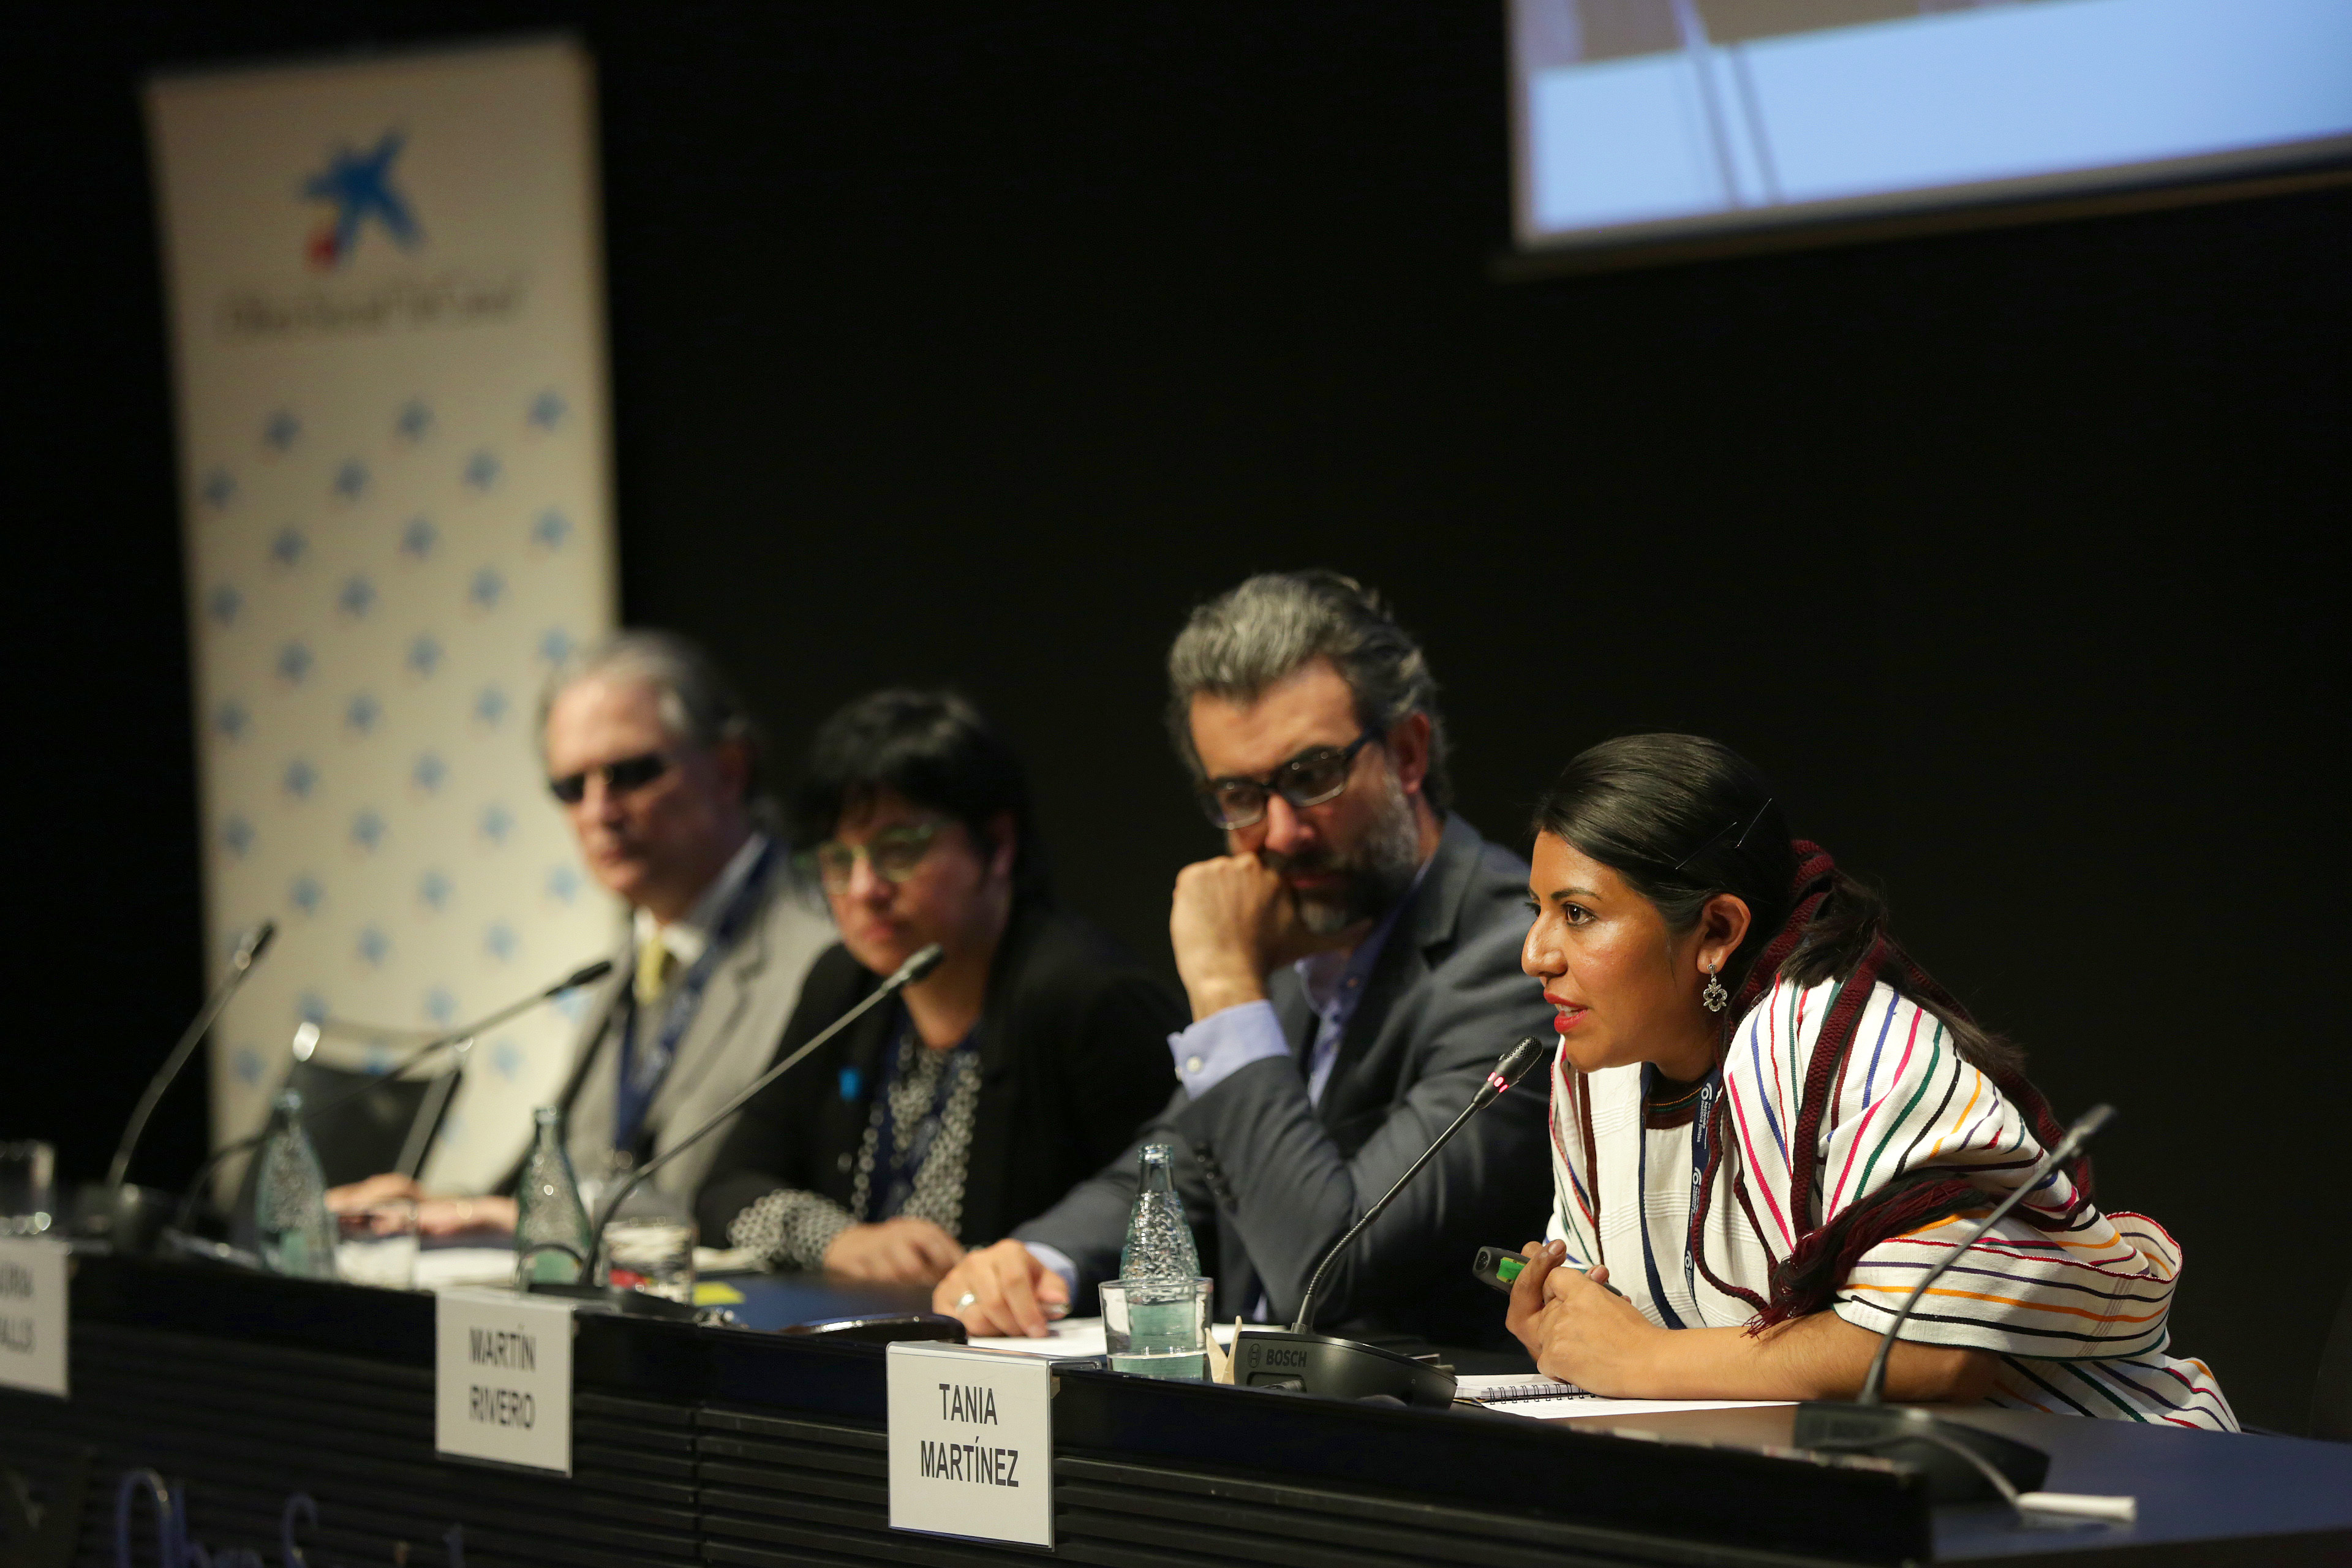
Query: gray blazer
{"points": [[1270, 1179], [729, 1042]]}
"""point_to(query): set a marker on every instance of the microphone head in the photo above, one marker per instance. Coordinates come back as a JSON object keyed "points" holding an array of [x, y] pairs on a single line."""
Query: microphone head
{"points": [[919, 964], [587, 974], [1518, 1059], [256, 941], [306, 1040]]}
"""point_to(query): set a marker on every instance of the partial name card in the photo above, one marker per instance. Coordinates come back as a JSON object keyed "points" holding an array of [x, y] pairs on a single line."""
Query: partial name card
{"points": [[33, 1315], [502, 1379], [971, 1444]]}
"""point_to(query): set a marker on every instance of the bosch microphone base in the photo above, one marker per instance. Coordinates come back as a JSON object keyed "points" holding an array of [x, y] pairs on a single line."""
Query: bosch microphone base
{"points": [[1346, 1369]]}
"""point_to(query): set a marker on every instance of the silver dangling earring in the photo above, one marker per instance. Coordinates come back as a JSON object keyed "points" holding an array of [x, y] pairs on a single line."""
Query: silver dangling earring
{"points": [[1714, 998]]}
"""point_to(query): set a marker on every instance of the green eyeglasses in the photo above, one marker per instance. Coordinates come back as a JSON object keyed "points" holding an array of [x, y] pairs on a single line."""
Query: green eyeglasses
{"points": [[894, 853]]}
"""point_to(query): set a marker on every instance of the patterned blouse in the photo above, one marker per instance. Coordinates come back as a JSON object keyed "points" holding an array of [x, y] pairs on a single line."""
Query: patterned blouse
{"points": [[2076, 1315], [926, 1106]]}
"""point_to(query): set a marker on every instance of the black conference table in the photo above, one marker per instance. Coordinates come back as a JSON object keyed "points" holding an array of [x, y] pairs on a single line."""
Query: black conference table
{"points": [[263, 1401]]}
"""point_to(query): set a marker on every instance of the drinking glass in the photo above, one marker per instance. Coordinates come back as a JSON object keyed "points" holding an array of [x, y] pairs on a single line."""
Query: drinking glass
{"points": [[377, 1245], [1156, 1330], [28, 1187]]}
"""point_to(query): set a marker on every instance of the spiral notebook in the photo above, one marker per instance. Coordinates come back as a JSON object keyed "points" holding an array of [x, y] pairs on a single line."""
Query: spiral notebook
{"points": [[1499, 1390]]}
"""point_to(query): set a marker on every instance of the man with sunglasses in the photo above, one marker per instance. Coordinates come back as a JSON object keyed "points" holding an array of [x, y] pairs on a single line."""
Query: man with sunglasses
{"points": [[1353, 965], [654, 763]]}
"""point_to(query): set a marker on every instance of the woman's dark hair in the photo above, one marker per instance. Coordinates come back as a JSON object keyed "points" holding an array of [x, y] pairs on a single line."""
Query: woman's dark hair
{"points": [[932, 748], [1683, 818]]}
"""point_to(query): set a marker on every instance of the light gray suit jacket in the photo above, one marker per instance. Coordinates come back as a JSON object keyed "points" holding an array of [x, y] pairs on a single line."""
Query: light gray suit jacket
{"points": [[729, 1042], [1270, 1179]]}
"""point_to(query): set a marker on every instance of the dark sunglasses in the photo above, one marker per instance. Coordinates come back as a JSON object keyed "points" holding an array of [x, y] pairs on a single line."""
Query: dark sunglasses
{"points": [[1309, 779], [620, 778]]}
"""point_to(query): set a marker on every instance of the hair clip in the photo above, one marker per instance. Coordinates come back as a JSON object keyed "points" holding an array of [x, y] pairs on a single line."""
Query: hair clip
{"points": [[1717, 837]]}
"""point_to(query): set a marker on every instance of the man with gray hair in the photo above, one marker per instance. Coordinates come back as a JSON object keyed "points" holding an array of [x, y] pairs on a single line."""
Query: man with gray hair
{"points": [[654, 762], [1352, 965]]}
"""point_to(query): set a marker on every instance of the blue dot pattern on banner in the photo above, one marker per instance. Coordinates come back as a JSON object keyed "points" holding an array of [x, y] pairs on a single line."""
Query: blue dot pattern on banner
{"points": [[378, 601]]}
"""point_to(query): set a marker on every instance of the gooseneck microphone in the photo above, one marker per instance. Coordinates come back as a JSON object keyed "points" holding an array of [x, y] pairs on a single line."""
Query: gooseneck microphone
{"points": [[305, 1040], [1962, 1463], [2082, 1132], [249, 949], [919, 964], [1299, 1359], [1508, 1071]]}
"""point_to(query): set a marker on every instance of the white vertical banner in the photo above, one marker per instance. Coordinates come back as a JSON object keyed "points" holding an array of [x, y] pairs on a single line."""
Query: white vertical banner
{"points": [[387, 314]]}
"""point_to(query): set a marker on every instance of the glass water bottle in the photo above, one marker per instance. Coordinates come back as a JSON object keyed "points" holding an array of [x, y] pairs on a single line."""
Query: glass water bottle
{"points": [[548, 1209], [289, 1197]]}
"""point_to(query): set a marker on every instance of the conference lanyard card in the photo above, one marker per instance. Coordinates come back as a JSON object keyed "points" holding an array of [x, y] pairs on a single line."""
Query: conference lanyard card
{"points": [[971, 1444], [33, 1315], [502, 1379]]}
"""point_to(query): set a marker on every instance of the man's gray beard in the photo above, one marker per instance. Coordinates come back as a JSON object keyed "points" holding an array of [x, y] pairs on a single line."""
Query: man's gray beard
{"points": [[1378, 873]]}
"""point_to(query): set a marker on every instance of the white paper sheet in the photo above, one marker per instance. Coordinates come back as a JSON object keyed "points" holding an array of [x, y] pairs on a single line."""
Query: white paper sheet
{"points": [[1072, 1336], [1582, 1405]]}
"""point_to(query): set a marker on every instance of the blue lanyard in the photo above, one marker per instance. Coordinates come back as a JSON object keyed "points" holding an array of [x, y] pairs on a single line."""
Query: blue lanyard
{"points": [[642, 1076], [1699, 1124]]}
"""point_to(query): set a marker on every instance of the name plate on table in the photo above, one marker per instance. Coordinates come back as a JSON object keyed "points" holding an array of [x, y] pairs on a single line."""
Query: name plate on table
{"points": [[971, 1444], [33, 1315], [502, 1379]]}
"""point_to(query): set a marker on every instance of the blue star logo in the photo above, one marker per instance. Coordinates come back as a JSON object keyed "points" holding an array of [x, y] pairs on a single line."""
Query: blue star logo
{"points": [[294, 663], [224, 602], [434, 888], [357, 598], [217, 488], [248, 1066], [563, 884], [311, 1008], [546, 410], [232, 720], [497, 824], [424, 656], [362, 713], [555, 645], [281, 431], [482, 470], [237, 836], [289, 548], [490, 706], [359, 184], [500, 941], [367, 830], [350, 479], [573, 1004], [416, 539], [552, 530], [376, 1060], [486, 588], [414, 420], [306, 895], [440, 1006], [429, 772], [374, 947], [301, 778], [506, 1059]]}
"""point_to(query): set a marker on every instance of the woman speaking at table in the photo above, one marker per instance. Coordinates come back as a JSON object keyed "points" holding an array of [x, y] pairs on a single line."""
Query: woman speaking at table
{"points": [[1767, 1122]]}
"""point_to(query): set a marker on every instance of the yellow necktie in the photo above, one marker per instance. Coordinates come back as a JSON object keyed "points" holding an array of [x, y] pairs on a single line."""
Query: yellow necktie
{"points": [[657, 965]]}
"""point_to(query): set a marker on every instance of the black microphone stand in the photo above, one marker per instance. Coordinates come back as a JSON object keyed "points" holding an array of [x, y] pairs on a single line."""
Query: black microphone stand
{"points": [[1962, 1463], [125, 1203], [1299, 1359], [588, 974], [590, 1285]]}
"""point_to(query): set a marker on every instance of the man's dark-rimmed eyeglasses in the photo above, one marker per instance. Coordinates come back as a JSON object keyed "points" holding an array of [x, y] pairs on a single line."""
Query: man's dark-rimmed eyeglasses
{"points": [[1310, 778], [620, 778]]}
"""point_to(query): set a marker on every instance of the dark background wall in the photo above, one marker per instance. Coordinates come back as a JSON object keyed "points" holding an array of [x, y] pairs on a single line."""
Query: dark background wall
{"points": [[976, 350]]}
